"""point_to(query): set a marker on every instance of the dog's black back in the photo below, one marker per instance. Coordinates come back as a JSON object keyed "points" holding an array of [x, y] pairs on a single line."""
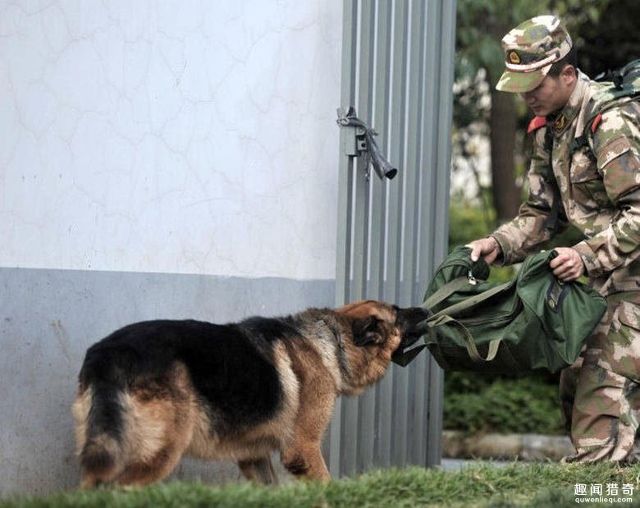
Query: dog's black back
{"points": [[232, 370]]}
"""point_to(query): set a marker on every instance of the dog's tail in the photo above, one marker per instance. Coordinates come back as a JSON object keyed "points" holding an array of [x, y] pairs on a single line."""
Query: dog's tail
{"points": [[101, 451]]}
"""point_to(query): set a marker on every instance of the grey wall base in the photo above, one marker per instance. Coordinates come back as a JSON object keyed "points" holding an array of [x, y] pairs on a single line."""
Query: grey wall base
{"points": [[49, 317]]}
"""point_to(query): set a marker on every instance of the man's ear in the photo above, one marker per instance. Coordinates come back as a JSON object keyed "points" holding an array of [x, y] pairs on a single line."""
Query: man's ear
{"points": [[365, 331], [569, 74]]}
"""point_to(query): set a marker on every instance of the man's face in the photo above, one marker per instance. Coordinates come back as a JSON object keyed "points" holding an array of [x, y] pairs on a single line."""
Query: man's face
{"points": [[551, 95]]}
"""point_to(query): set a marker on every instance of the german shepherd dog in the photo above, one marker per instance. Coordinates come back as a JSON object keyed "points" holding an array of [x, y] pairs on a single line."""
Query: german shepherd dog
{"points": [[153, 391]]}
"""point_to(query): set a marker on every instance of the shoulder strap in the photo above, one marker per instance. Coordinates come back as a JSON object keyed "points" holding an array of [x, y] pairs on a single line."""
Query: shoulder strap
{"points": [[552, 223], [582, 141], [614, 88]]}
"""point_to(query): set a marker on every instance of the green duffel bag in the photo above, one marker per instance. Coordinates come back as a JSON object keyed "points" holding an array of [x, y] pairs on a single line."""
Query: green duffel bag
{"points": [[531, 322]]}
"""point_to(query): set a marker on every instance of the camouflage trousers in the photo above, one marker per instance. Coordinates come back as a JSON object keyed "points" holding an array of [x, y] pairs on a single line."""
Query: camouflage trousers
{"points": [[600, 393]]}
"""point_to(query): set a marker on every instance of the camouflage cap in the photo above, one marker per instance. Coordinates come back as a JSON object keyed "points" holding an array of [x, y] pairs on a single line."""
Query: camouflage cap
{"points": [[530, 50]]}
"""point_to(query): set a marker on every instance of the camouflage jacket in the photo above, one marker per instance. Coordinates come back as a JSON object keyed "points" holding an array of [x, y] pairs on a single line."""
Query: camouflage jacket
{"points": [[599, 185]]}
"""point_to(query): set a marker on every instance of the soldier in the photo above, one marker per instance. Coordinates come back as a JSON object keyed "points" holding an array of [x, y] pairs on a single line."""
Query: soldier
{"points": [[586, 171]]}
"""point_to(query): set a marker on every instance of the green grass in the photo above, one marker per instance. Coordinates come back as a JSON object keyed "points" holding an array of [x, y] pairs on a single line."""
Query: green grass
{"points": [[534, 485]]}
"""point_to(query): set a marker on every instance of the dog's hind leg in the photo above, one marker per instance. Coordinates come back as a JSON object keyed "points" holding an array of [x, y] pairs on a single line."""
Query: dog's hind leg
{"points": [[158, 468], [259, 470], [159, 428]]}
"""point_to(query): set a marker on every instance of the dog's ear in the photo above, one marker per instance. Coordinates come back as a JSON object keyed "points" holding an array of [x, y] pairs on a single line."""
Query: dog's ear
{"points": [[366, 331]]}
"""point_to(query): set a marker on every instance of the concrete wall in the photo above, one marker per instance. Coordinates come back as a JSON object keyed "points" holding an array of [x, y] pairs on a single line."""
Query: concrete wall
{"points": [[157, 159], [179, 137], [49, 317]]}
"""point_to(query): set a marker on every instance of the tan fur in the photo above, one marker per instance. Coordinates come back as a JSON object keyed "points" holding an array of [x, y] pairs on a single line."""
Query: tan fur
{"points": [[369, 366], [80, 412], [318, 392], [325, 347], [166, 420]]}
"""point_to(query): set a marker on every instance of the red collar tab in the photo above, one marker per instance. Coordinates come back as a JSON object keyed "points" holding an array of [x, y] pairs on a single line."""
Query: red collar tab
{"points": [[596, 122], [536, 123]]}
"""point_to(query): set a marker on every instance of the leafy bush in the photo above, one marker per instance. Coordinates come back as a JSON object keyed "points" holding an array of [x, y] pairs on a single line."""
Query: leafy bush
{"points": [[475, 403], [468, 222]]}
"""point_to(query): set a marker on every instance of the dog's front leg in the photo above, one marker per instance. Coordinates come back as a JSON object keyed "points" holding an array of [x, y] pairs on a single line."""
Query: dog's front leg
{"points": [[301, 455], [305, 460]]}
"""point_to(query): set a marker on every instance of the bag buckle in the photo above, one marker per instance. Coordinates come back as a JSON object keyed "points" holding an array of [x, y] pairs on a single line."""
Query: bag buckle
{"points": [[472, 280], [556, 293]]}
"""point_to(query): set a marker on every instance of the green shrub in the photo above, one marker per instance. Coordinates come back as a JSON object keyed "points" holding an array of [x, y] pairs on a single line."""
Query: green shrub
{"points": [[474, 403], [468, 222]]}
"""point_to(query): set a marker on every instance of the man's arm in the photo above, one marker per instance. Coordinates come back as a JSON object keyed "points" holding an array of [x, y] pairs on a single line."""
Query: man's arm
{"points": [[520, 236], [617, 149]]}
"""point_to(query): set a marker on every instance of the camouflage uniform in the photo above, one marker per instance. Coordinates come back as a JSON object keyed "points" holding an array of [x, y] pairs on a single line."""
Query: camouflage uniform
{"points": [[599, 185]]}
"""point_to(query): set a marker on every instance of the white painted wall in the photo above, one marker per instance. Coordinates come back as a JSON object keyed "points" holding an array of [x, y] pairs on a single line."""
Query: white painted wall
{"points": [[180, 137]]}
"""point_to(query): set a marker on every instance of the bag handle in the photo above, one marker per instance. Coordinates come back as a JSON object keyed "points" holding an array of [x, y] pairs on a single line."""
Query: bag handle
{"points": [[446, 290], [467, 302], [443, 316], [468, 338]]}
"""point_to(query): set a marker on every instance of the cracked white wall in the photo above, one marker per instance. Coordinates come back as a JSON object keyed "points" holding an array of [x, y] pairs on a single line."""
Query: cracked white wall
{"points": [[179, 137]]}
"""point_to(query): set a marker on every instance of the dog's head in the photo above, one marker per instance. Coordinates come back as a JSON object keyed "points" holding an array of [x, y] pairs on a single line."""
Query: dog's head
{"points": [[378, 330], [376, 323]]}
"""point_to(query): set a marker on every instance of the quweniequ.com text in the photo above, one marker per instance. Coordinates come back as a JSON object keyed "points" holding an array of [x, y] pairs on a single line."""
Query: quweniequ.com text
{"points": [[604, 499]]}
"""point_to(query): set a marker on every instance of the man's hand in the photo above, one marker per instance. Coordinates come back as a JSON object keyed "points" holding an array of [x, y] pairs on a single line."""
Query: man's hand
{"points": [[567, 265], [488, 248]]}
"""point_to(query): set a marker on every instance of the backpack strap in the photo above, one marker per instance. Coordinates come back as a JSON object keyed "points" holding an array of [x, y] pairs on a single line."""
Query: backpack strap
{"points": [[551, 224], [582, 141], [615, 88]]}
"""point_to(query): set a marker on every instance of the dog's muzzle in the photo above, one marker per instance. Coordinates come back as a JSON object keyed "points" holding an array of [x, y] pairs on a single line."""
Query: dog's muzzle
{"points": [[403, 356], [412, 322]]}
